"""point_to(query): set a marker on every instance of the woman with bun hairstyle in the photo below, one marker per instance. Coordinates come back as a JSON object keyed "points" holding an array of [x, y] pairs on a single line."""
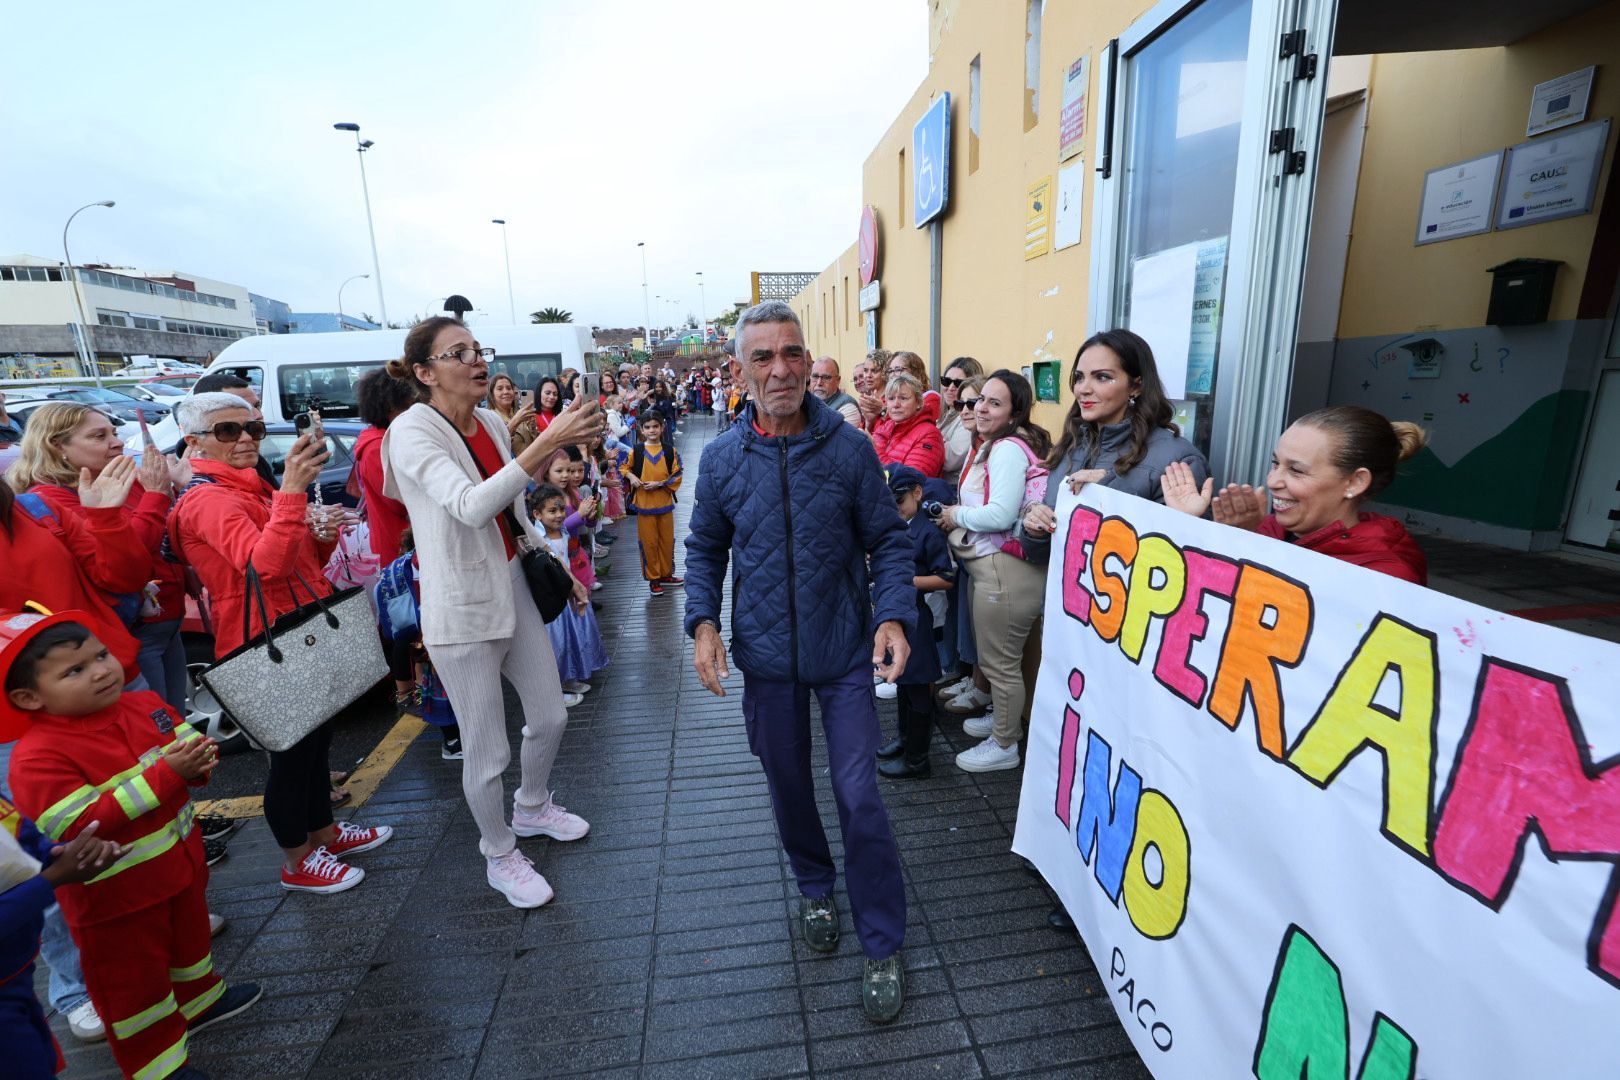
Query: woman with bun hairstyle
{"points": [[1118, 432], [450, 462], [1324, 467]]}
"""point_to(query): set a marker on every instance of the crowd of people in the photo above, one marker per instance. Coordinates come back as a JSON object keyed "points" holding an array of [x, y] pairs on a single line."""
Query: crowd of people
{"points": [[889, 541]]}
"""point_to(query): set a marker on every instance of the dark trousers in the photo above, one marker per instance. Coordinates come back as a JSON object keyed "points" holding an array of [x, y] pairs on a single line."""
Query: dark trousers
{"points": [[29, 1047], [916, 705], [298, 792], [777, 715]]}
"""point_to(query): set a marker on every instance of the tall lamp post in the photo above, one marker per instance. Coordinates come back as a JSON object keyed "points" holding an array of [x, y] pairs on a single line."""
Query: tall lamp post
{"points": [[646, 307], [89, 351], [361, 146], [511, 303], [346, 281], [703, 304]]}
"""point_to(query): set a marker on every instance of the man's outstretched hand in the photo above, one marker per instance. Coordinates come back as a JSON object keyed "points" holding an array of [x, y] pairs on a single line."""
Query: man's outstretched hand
{"points": [[709, 658]]}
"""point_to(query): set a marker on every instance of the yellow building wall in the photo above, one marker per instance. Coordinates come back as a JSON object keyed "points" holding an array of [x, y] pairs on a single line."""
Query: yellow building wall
{"points": [[996, 307], [833, 325], [1431, 109]]}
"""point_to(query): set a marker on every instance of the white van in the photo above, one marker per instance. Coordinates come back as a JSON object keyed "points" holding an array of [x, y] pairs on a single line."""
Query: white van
{"points": [[293, 372]]}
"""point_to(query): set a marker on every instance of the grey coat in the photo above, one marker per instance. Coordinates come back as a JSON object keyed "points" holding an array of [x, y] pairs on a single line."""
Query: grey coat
{"points": [[1144, 480]]}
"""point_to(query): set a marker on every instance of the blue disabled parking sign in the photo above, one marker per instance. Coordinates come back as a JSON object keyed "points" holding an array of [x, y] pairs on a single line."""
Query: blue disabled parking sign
{"points": [[931, 160]]}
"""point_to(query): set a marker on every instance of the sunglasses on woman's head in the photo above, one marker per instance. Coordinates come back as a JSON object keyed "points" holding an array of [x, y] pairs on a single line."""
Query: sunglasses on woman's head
{"points": [[966, 403], [231, 430]]}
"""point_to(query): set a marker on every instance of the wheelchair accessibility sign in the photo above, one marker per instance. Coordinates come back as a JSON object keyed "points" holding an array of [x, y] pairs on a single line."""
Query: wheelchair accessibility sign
{"points": [[931, 161]]}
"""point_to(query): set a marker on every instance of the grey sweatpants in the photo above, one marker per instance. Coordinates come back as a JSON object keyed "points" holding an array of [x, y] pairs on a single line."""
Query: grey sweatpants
{"points": [[471, 675]]}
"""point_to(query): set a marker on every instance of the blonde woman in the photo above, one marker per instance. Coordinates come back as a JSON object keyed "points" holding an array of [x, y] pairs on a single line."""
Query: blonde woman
{"points": [[65, 439]]}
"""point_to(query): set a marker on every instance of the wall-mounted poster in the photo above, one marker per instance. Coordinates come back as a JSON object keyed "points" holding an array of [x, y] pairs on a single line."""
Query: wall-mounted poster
{"points": [[1560, 102], [1553, 177], [1071, 186], [1458, 199], [1072, 121], [1038, 219]]}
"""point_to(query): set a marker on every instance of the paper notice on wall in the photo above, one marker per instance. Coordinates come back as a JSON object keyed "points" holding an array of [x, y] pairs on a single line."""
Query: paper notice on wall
{"points": [[1205, 336], [1072, 120], [1071, 185], [1038, 219], [1162, 288]]}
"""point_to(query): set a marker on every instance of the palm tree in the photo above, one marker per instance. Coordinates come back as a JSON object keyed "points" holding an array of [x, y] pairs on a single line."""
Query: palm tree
{"points": [[551, 315]]}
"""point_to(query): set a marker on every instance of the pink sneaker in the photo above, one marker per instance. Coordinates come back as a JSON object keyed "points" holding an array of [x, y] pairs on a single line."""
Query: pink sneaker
{"points": [[552, 820], [514, 875]]}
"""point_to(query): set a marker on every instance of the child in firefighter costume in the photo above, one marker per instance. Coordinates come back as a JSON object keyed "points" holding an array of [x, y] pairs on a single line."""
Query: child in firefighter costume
{"points": [[89, 752]]}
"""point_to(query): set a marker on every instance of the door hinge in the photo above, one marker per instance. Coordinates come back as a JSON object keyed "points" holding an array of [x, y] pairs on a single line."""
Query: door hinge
{"points": [[1282, 142], [1293, 44], [1282, 139]]}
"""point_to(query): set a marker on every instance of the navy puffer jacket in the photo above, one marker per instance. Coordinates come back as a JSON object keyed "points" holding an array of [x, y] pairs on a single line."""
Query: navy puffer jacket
{"points": [[798, 515]]}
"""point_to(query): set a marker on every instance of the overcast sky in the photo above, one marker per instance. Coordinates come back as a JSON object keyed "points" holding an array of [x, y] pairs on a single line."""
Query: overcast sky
{"points": [[728, 135]]}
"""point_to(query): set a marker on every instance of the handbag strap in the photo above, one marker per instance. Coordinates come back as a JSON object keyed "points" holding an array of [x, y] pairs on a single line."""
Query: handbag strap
{"points": [[520, 537], [255, 591]]}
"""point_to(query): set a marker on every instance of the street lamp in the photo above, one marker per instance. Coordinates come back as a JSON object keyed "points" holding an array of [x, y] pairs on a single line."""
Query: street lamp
{"points": [[646, 308], [703, 303], [361, 146], [346, 281], [89, 351], [511, 303]]}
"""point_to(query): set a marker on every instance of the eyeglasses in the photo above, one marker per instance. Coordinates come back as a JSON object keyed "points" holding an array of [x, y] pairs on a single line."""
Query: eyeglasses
{"points": [[823, 378], [466, 354], [966, 403], [943, 381], [231, 430]]}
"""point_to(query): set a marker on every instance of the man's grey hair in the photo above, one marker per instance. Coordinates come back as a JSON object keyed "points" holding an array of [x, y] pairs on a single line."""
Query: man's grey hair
{"points": [[832, 361], [766, 311], [194, 413]]}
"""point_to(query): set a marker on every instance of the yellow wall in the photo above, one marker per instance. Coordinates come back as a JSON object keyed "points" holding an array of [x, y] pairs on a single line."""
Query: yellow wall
{"points": [[1431, 109], [997, 307], [833, 325]]}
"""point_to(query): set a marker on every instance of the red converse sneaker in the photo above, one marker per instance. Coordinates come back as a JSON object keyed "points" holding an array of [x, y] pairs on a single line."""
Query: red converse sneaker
{"points": [[352, 839], [321, 873]]}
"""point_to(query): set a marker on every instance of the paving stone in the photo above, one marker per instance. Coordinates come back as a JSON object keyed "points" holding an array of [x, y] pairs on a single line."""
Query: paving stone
{"points": [[738, 1032], [778, 1061]]}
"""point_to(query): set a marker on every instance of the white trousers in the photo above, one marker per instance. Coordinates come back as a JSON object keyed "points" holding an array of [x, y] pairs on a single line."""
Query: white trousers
{"points": [[471, 674]]}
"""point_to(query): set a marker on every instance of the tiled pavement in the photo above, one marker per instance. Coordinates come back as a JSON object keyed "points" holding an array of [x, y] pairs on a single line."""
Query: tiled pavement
{"points": [[668, 952]]}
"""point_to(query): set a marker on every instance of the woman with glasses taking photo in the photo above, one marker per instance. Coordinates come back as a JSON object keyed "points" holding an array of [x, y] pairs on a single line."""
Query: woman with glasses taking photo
{"points": [[230, 518], [452, 465]]}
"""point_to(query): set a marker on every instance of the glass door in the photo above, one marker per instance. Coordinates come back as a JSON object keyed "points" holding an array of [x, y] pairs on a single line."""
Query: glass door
{"points": [[1212, 114]]}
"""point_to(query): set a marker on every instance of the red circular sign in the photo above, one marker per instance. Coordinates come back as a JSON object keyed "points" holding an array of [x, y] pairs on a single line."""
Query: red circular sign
{"points": [[868, 244]]}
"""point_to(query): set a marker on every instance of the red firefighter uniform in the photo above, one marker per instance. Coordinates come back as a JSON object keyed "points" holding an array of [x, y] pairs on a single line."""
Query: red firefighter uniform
{"points": [[142, 925]]}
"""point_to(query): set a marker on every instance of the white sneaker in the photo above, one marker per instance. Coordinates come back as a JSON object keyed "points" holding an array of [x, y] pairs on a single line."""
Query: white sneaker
{"points": [[967, 703], [595, 585], [514, 876], [216, 924], [945, 693], [571, 699], [979, 726], [888, 691], [988, 756], [552, 820], [86, 1025], [577, 686]]}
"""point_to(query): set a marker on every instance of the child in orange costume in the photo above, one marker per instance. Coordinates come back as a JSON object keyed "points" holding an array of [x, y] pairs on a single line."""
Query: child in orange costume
{"points": [[654, 475], [91, 753]]}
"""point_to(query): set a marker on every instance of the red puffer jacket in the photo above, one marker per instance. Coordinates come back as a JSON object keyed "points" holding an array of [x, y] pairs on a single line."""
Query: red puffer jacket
{"points": [[219, 527], [1375, 541], [147, 513], [915, 442]]}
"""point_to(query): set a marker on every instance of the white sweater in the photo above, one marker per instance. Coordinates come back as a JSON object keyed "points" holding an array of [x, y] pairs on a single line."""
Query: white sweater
{"points": [[466, 582]]}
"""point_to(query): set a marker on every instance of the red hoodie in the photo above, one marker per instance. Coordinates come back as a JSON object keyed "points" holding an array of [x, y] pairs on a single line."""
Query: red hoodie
{"points": [[68, 771], [219, 527], [386, 518], [1375, 541], [915, 442], [71, 569]]}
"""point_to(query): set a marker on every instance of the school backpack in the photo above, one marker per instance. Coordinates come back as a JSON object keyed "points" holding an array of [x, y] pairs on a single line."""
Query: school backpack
{"points": [[1035, 478]]}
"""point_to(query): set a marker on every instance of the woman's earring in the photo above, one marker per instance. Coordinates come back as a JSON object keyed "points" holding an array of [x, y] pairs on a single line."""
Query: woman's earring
{"points": [[1133, 401]]}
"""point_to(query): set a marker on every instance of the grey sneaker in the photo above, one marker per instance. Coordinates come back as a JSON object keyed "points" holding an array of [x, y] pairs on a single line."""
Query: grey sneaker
{"points": [[883, 989], [818, 920]]}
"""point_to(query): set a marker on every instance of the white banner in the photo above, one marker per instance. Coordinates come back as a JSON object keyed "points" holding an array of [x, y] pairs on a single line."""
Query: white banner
{"points": [[1313, 821]]}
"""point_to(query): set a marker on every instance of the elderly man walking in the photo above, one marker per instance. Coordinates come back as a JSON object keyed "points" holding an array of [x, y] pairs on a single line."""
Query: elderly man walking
{"points": [[824, 383], [796, 497]]}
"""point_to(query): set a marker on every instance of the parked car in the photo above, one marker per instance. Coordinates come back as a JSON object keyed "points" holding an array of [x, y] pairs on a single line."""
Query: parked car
{"points": [[157, 392], [158, 368], [111, 400], [182, 382]]}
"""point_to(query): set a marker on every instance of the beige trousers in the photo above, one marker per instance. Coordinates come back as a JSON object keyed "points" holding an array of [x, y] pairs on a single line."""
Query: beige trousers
{"points": [[1008, 597]]}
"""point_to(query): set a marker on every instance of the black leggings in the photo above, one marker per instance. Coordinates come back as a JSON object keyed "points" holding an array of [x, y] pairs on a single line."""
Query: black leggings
{"points": [[298, 794]]}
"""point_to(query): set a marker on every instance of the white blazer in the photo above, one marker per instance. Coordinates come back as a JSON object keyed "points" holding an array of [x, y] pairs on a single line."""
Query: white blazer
{"points": [[466, 582]]}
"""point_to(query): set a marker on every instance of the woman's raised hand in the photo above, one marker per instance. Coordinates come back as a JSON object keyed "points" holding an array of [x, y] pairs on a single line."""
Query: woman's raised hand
{"points": [[305, 461], [179, 472], [1181, 490], [1240, 505], [109, 490], [521, 417], [154, 472]]}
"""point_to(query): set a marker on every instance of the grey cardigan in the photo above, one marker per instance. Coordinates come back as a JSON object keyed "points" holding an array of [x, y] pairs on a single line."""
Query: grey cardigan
{"points": [[1145, 479]]}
